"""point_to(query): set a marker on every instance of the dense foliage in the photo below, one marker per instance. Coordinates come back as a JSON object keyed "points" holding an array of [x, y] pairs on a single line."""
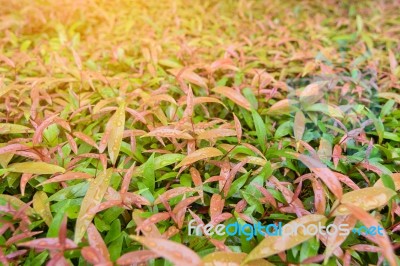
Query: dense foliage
{"points": [[122, 121]]}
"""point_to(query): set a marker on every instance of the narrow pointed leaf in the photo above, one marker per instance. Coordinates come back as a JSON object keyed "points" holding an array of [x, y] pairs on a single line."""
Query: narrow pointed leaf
{"points": [[216, 133], [323, 172], [271, 245], [6, 128], [299, 125], [115, 137], [200, 154], [38, 168], [94, 195], [223, 258], [178, 254], [136, 257], [234, 96], [42, 207]]}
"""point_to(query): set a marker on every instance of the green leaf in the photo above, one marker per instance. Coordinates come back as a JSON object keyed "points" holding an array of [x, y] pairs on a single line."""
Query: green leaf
{"points": [[160, 162], [54, 227], [388, 182], [260, 130], [115, 248], [149, 173], [237, 184], [114, 232]]}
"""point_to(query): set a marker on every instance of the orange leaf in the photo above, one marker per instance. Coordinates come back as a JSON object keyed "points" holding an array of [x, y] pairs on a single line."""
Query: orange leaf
{"points": [[168, 133], [216, 133], [189, 76], [238, 128], [234, 96], [199, 155], [216, 205]]}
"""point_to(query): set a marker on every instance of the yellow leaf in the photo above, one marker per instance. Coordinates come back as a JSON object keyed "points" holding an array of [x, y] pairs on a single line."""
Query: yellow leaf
{"points": [[5, 158], [116, 133], [367, 199], [94, 195], [223, 258], [199, 155], [42, 206], [390, 95], [6, 128], [250, 159], [38, 168], [272, 245]]}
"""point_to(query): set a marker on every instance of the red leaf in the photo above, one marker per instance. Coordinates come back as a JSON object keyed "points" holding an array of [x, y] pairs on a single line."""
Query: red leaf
{"points": [[172, 193], [324, 173], [136, 257], [184, 203], [155, 218], [91, 255], [13, 147], [38, 135], [86, 139], [24, 180], [67, 176], [16, 238], [127, 179], [48, 243], [72, 143], [96, 242]]}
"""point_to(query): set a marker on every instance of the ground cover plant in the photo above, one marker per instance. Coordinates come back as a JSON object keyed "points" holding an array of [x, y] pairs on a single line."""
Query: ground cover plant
{"points": [[123, 123]]}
